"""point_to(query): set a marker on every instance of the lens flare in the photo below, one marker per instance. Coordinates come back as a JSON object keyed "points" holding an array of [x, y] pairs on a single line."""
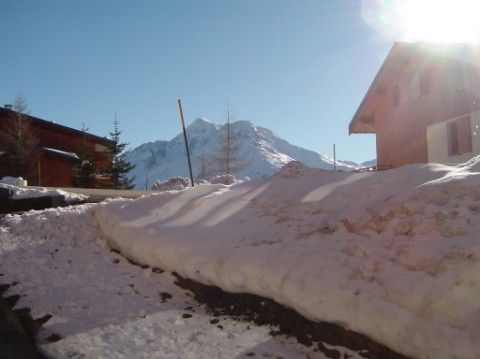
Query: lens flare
{"points": [[425, 20]]}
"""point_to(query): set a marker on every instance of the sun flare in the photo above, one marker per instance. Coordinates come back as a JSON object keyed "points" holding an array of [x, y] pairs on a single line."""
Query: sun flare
{"points": [[425, 20]]}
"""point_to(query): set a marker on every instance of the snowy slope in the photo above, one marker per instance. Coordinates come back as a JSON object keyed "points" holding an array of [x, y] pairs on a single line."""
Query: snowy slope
{"points": [[264, 151], [104, 307], [394, 254]]}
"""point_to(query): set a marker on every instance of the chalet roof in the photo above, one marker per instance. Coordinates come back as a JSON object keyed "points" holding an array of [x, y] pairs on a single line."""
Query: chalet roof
{"points": [[52, 126], [403, 53]]}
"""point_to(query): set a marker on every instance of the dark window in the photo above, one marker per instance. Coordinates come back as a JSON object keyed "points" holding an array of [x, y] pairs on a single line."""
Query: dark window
{"points": [[395, 95], [425, 82], [459, 136]]}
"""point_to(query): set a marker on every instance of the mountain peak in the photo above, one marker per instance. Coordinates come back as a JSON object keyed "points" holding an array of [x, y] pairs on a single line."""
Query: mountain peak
{"points": [[201, 123], [264, 151]]}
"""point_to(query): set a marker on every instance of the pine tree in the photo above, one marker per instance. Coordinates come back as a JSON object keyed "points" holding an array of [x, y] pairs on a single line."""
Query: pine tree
{"points": [[119, 166]]}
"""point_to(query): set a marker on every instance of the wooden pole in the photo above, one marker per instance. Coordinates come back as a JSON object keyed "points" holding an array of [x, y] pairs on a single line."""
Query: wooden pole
{"points": [[334, 158], [182, 121], [39, 173]]}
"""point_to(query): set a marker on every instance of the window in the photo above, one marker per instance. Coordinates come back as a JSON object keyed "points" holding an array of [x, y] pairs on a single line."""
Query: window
{"points": [[403, 87], [425, 82], [100, 148], [395, 95], [459, 80], [409, 90], [459, 136], [413, 88]]}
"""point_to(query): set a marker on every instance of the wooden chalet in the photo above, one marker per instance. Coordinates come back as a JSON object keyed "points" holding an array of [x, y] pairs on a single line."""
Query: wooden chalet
{"points": [[56, 150], [424, 105]]}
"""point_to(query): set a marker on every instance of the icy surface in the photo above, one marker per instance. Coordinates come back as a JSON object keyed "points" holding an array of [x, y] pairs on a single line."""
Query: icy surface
{"points": [[393, 255], [105, 307], [264, 153]]}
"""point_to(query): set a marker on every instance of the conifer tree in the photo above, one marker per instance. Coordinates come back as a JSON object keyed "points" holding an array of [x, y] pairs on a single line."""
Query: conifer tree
{"points": [[119, 166]]}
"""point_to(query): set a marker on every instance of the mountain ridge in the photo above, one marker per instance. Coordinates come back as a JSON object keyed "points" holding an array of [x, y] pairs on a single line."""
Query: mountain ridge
{"points": [[265, 153]]}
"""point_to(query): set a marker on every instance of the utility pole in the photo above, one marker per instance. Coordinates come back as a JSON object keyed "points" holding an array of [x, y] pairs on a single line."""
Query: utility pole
{"points": [[334, 158], [182, 121]]}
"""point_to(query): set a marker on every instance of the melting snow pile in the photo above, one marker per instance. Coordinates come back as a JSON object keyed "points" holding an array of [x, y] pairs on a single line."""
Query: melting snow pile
{"points": [[14, 181], [20, 191], [393, 255], [178, 183], [171, 184], [223, 179]]}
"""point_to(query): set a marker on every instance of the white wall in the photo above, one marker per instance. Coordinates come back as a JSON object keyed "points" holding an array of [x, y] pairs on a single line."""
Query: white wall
{"points": [[437, 141]]}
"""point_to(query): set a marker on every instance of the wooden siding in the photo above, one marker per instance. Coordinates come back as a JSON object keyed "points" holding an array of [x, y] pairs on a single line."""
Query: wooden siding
{"points": [[54, 170]]}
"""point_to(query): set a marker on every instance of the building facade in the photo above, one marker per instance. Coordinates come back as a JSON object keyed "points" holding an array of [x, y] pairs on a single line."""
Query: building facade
{"points": [[57, 150], [423, 105]]}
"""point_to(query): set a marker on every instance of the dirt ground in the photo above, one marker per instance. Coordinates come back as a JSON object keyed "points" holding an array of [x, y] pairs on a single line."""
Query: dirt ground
{"points": [[262, 311]]}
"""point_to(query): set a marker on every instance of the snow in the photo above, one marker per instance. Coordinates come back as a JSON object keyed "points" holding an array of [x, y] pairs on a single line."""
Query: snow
{"points": [[171, 184], [223, 179], [264, 151], [14, 181], [34, 192], [103, 306], [62, 153], [179, 183], [393, 255]]}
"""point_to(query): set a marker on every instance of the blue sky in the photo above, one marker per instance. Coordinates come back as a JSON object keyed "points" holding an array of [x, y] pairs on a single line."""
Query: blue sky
{"points": [[297, 67]]}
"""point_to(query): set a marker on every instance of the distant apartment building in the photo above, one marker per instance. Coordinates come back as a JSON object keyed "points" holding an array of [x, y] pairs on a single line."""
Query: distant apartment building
{"points": [[56, 150], [424, 105]]}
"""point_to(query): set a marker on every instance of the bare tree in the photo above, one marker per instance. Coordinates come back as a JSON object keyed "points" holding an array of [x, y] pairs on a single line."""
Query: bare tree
{"points": [[205, 170], [20, 141], [229, 159]]}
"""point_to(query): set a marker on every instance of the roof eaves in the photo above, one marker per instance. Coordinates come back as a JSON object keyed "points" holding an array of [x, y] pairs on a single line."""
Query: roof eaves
{"points": [[371, 88], [104, 140]]}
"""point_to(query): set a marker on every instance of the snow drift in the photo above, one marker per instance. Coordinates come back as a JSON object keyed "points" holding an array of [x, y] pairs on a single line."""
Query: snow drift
{"points": [[19, 190], [393, 255]]}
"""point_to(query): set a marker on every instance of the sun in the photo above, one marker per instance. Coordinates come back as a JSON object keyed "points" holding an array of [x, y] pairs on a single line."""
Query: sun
{"points": [[425, 20]]}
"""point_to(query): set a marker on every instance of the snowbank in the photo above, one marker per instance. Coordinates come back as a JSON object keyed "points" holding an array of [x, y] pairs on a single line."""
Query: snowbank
{"points": [[14, 181], [171, 184], [34, 192], [104, 307], [393, 255], [178, 183], [223, 179]]}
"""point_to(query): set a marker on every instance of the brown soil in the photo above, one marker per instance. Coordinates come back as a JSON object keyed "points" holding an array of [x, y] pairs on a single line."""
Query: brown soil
{"points": [[18, 328], [262, 311]]}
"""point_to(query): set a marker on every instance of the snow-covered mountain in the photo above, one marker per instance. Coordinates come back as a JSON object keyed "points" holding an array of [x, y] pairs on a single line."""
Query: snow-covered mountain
{"points": [[264, 153], [371, 163]]}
